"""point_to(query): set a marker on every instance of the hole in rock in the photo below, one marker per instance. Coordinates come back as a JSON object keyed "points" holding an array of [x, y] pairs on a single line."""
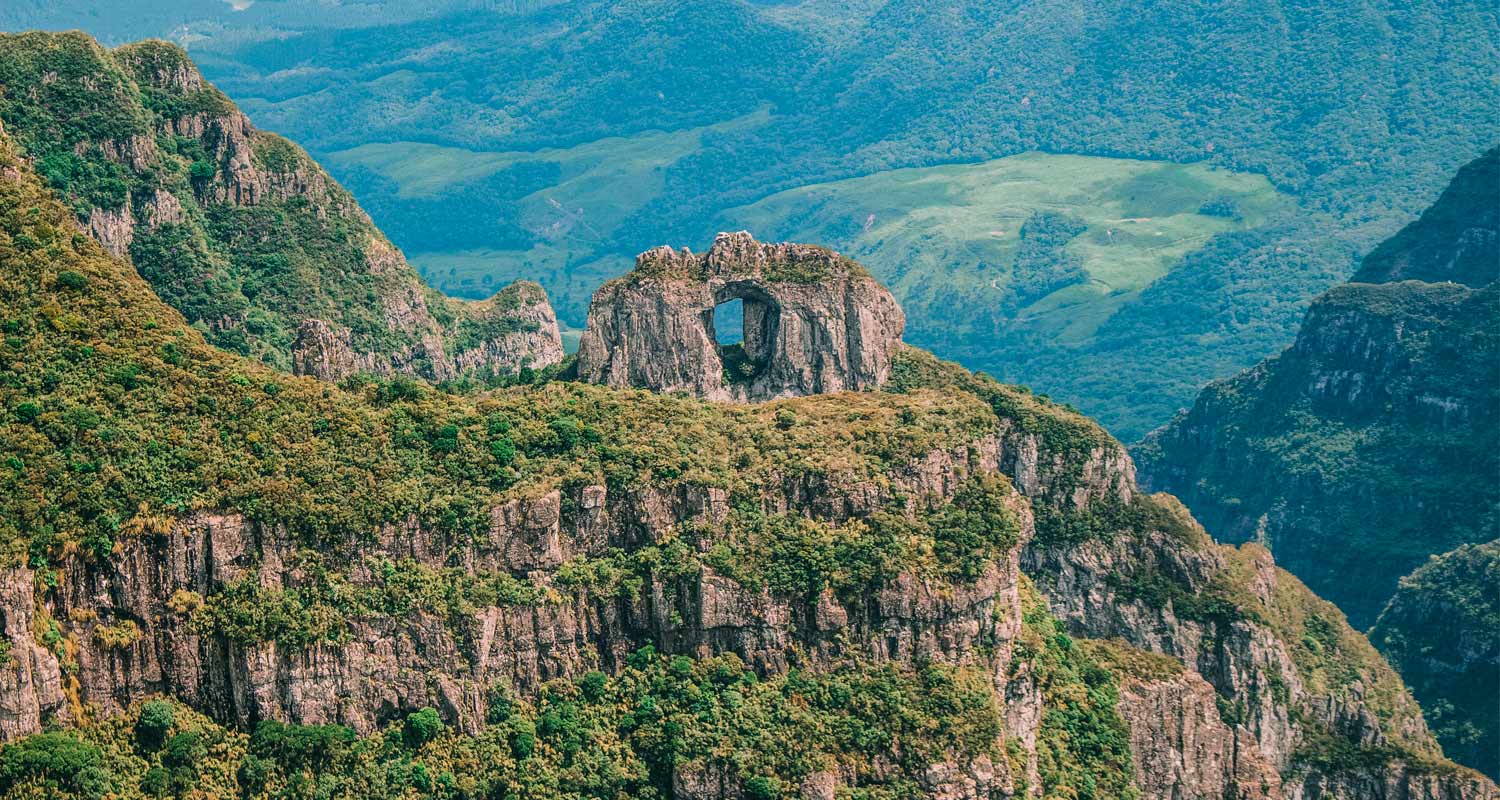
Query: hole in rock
{"points": [[729, 323], [744, 324]]}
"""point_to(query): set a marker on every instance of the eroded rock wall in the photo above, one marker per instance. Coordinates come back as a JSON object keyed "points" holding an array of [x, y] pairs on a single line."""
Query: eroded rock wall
{"points": [[815, 323]]}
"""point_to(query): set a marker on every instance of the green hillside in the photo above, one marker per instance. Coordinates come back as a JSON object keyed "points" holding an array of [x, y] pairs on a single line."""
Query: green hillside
{"points": [[686, 110], [1441, 630]]}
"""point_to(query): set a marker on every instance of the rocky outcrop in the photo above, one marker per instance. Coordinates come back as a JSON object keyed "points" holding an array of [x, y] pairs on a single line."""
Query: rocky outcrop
{"points": [[1183, 748], [1372, 442], [1400, 379], [513, 331], [1273, 703], [244, 210], [327, 352], [814, 322]]}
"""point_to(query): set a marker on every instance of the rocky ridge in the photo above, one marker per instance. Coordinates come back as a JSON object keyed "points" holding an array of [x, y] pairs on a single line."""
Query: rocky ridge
{"points": [[1371, 443], [358, 555], [1406, 372], [239, 229]]}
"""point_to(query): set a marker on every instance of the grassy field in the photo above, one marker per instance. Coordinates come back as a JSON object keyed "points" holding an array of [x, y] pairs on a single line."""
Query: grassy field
{"points": [[948, 240], [945, 234]]}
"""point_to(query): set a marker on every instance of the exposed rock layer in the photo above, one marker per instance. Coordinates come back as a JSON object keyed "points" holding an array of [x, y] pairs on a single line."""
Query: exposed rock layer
{"points": [[243, 232], [814, 322]]}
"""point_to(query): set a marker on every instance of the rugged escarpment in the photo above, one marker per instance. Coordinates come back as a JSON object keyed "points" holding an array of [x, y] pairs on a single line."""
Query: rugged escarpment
{"points": [[814, 322], [1366, 446], [1372, 442], [573, 590], [239, 229], [1442, 631]]}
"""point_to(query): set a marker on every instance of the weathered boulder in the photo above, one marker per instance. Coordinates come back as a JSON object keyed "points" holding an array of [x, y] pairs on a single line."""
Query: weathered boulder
{"points": [[814, 322]]}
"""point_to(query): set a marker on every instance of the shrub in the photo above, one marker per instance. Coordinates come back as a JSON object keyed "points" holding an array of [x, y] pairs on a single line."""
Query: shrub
{"points": [[592, 685], [60, 762], [421, 727], [761, 787], [155, 720]]}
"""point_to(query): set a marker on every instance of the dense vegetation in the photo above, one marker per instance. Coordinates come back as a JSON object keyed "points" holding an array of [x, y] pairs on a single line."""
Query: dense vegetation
{"points": [[1337, 104], [1371, 445], [154, 160], [624, 735], [1441, 630]]}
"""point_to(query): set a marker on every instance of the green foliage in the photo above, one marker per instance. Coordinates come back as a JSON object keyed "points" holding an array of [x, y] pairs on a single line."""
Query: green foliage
{"points": [[1128, 661], [1083, 746], [797, 557], [246, 271], [421, 727], [1042, 264], [62, 764], [620, 736], [155, 720], [1454, 240], [1441, 631], [68, 279]]}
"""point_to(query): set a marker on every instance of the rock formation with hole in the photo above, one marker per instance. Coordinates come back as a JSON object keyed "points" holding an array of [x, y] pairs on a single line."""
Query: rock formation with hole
{"points": [[815, 323]]}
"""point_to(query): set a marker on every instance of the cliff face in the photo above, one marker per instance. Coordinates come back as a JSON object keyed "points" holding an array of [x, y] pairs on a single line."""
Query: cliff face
{"points": [[814, 322], [1366, 446], [239, 229], [1372, 442], [1441, 630], [571, 590]]}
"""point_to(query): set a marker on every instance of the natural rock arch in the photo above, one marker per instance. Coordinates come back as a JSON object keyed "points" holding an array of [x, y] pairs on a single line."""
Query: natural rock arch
{"points": [[815, 322]]}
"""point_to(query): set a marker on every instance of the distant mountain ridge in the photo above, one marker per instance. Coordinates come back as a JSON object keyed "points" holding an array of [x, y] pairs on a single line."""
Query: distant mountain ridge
{"points": [[1373, 443]]}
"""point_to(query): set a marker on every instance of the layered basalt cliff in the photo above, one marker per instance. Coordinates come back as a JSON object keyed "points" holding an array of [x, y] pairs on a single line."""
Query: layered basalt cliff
{"points": [[239, 229], [1372, 442], [814, 322], [577, 590]]}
